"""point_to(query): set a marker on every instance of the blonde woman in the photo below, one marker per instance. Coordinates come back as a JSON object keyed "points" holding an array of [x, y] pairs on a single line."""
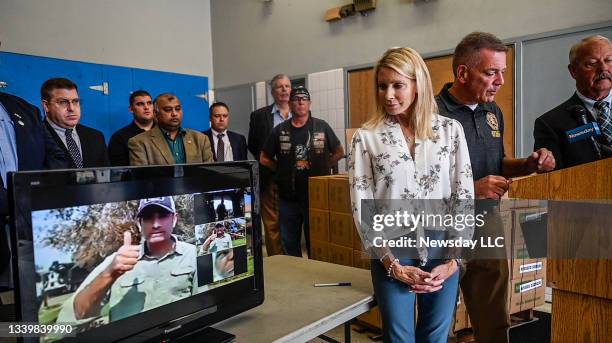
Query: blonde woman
{"points": [[407, 151]]}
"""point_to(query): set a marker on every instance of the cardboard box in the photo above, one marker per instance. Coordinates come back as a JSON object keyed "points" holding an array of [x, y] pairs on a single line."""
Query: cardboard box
{"points": [[461, 321], [341, 229], [317, 192], [339, 196], [522, 268], [319, 224], [511, 204], [518, 218], [319, 250], [340, 255], [361, 260], [526, 292], [372, 318], [520, 252], [506, 219], [540, 295]]}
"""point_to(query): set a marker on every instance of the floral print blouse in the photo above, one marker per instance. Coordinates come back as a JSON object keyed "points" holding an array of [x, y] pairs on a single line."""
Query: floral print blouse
{"points": [[381, 166]]}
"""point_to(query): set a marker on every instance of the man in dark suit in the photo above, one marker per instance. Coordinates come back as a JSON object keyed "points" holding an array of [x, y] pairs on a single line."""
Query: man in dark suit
{"points": [[226, 145], [85, 146], [590, 64], [24, 145], [261, 124], [141, 106]]}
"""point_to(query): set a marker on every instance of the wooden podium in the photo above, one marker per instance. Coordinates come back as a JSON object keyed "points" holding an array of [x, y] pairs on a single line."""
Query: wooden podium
{"points": [[582, 288]]}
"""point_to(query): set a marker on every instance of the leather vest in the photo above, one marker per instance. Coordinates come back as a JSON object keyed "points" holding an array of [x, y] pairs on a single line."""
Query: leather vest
{"points": [[318, 156]]}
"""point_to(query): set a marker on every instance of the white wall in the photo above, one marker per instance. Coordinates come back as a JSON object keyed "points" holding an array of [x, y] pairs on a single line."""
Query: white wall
{"points": [[164, 35], [253, 40]]}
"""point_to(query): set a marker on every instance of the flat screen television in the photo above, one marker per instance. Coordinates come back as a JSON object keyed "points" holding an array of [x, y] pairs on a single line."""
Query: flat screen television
{"points": [[136, 254]]}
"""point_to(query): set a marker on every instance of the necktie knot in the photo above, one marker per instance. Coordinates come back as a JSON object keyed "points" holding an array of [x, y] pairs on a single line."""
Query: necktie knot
{"points": [[220, 135], [601, 106]]}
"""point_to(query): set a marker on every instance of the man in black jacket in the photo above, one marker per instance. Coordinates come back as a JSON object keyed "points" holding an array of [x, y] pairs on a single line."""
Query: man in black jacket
{"points": [[260, 126], [297, 149], [85, 146], [24, 145], [590, 64], [226, 145], [141, 106]]}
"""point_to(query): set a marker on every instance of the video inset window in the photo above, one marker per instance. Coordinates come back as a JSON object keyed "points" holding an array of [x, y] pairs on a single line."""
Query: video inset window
{"points": [[221, 236]]}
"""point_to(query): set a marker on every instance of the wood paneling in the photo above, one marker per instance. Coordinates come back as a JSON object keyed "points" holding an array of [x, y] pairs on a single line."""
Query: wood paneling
{"points": [[591, 181], [535, 188], [505, 100], [580, 318], [362, 102], [578, 233]]}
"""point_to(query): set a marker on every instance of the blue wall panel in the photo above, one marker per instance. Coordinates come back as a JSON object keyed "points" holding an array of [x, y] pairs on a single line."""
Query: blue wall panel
{"points": [[25, 74], [186, 87], [119, 87]]}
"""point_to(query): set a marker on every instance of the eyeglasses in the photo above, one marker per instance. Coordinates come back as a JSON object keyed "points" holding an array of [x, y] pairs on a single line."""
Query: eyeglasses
{"points": [[63, 103], [304, 98]]}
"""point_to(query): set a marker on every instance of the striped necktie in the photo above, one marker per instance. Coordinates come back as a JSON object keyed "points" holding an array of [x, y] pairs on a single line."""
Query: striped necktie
{"points": [[73, 149], [603, 119]]}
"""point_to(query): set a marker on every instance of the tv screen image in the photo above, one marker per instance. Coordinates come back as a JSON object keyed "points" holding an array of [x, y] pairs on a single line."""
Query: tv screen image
{"points": [[100, 265]]}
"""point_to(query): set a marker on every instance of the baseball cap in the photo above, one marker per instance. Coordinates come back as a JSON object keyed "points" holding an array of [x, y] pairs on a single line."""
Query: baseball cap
{"points": [[299, 90], [164, 202]]}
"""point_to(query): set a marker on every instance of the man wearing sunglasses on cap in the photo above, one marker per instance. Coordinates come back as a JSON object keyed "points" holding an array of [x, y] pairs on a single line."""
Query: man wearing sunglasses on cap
{"points": [[298, 148]]}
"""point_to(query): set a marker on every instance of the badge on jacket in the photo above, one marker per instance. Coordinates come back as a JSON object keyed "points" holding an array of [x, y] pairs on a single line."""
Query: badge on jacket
{"points": [[493, 124]]}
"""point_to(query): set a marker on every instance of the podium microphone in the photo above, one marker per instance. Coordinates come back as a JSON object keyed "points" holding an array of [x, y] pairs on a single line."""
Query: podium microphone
{"points": [[586, 131]]}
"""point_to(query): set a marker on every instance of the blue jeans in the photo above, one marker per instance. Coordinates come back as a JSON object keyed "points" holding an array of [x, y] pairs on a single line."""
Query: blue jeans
{"points": [[396, 303], [292, 215]]}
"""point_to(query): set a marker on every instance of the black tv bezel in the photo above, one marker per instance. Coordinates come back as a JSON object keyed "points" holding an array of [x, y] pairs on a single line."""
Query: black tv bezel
{"points": [[168, 321]]}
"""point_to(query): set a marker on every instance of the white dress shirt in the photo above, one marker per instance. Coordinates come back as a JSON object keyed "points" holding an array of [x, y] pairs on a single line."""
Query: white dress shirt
{"points": [[590, 103], [228, 156], [61, 132]]}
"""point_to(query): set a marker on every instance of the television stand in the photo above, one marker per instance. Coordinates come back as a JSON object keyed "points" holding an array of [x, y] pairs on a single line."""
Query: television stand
{"points": [[208, 334]]}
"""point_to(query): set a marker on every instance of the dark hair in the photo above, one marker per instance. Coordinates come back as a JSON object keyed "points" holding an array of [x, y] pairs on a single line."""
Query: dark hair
{"points": [[167, 96], [467, 51], [217, 104], [139, 92], [220, 225], [53, 84]]}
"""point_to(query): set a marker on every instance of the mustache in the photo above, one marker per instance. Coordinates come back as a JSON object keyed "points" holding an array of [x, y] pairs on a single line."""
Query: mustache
{"points": [[604, 75]]}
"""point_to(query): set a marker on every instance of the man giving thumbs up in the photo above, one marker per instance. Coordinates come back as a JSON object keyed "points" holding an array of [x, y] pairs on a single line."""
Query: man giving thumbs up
{"points": [[159, 270]]}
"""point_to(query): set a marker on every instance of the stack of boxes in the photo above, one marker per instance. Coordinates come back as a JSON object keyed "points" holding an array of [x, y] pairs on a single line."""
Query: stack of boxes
{"points": [[333, 236], [527, 275], [462, 320], [334, 239]]}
